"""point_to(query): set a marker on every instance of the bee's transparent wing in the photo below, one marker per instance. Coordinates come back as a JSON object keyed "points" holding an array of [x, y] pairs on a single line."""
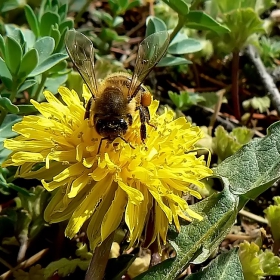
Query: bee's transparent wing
{"points": [[81, 51], [150, 52]]}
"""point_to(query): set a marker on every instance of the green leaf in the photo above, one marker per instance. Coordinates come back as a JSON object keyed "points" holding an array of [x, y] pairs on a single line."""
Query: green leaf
{"points": [[15, 33], [255, 167], [32, 20], [201, 21], [154, 24], [225, 267], [27, 84], [26, 109], [48, 64], [185, 46], [250, 22], [5, 75], [7, 104], [13, 55], [185, 100], [55, 34], [45, 47], [272, 214], [29, 62], [2, 46], [179, 6], [6, 133], [228, 6], [47, 21], [258, 103], [172, 61], [64, 267], [68, 23], [197, 240], [226, 144], [257, 263]]}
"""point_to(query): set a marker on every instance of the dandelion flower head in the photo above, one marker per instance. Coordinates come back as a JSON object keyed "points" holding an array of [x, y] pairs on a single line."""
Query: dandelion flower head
{"points": [[120, 183]]}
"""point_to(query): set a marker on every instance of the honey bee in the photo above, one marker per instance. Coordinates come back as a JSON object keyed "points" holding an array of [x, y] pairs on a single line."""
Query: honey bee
{"points": [[115, 99]]}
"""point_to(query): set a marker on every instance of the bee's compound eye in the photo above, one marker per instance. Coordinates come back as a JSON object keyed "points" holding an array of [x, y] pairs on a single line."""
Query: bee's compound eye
{"points": [[146, 99]]}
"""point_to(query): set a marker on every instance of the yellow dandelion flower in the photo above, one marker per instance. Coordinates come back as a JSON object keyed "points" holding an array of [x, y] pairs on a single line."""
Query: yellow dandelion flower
{"points": [[119, 183]]}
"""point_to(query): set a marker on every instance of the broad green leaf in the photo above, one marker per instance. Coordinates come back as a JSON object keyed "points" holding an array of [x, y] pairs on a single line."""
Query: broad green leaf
{"points": [[14, 32], [53, 83], [29, 38], [29, 62], [201, 21], [172, 61], [255, 167], [226, 266], [185, 46], [45, 47], [68, 23], [27, 84], [13, 55], [5, 133], [55, 34], [7, 104], [47, 21], [32, 20], [5, 75], [48, 64], [181, 7], [197, 240], [154, 24]]}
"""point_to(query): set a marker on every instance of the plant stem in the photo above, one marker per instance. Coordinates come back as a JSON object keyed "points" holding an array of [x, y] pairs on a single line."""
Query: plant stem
{"points": [[99, 259], [3, 116], [40, 86], [178, 27], [235, 84], [195, 4], [83, 9]]}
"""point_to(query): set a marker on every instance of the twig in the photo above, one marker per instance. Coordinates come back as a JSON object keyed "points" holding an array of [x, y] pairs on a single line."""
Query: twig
{"points": [[25, 264], [217, 109], [253, 217], [267, 80], [235, 84]]}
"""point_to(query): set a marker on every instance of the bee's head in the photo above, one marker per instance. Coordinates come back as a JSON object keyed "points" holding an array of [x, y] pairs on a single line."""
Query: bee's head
{"points": [[110, 127]]}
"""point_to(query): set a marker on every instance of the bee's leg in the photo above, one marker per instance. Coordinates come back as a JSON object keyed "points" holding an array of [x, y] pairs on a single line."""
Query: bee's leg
{"points": [[88, 106], [100, 144], [144, 118], [148, 117], [130, 119]]}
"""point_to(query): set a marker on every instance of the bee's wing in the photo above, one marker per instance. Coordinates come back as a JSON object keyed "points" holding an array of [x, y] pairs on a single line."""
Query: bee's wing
{"points": [[150, 52], [81, 51]]}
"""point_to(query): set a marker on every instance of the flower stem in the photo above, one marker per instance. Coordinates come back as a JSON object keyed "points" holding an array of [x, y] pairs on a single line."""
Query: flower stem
{"points": [[178, 27], [235, 84], [41, 85], [3, 116], [99, 259]]}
